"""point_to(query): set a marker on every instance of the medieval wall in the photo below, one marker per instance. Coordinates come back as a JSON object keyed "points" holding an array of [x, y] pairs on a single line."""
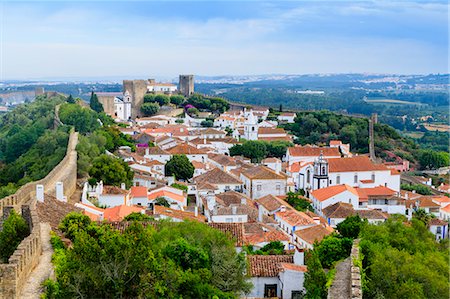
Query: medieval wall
{"points": [[108, 103], [14, 274]]}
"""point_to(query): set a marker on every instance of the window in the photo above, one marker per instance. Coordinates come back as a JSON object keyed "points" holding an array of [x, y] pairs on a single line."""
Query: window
{"points": [[229, 220], [278, 187], [438, 230], [270, 290], [227, 188], [308, 180], [338, 180], [355, 179], [297, 295], [258, 187], [331, 182], [373, 177]]}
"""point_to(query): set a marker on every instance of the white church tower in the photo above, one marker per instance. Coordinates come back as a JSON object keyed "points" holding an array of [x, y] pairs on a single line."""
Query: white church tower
{"points": [[320, 177], [250, 126]]}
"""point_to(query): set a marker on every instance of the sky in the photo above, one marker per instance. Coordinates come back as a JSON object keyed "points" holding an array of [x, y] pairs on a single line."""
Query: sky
{"points": [[59, 39]]}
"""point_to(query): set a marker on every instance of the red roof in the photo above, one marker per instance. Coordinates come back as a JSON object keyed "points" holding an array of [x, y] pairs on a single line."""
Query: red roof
{"points": [[310, 151], [364, 193], [117, 213], [138, 191], [356, 163], [328, 192]]}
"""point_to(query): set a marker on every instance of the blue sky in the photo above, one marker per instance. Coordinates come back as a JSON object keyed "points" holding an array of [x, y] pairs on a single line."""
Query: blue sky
{"points": [[149, 38]]}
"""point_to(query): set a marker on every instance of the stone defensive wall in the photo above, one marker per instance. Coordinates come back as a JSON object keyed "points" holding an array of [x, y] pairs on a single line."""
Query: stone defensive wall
{"points": [[14, 274], [355, 280], [65, 172]]}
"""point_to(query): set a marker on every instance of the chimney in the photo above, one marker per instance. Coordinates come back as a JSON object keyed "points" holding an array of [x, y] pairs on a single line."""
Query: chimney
{"points": [[414, 191], [196, 211], [299, 256], [233, 210], [406, 195], [211, 199], [243, 201], [282, 209], [122, 186], [59, 191], [40, 193], [316, 220], [260, 213], [147, 151]]}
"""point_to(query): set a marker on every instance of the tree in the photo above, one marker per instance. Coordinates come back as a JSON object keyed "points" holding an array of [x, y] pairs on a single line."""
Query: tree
{"points": [[180, 167], [315, 278], [111, 170], [149, 109], [333, 248], [169, 260], [177, 100], [350, 227], [71, 100], [162, 99], [207, 123], [15, 229], [73, 223], [184, 188], [161, 201], [298, 203], [422, 215], [137, 217], [149, 98], [83, 119], [192, 111], [95, 104], [430, 159]]}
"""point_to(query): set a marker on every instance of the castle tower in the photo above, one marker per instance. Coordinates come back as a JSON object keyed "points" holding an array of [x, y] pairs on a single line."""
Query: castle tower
{"points": [[251, 127], [320, 177], [137, 89], [186, 85]]}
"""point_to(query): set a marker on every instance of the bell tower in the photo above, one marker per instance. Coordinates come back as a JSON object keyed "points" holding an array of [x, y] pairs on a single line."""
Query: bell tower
{"points": [[320, 177]]}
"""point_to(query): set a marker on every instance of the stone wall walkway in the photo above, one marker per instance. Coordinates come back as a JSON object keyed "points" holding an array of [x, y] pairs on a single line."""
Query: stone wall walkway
{"points": [[33, 287], [340, 289]]}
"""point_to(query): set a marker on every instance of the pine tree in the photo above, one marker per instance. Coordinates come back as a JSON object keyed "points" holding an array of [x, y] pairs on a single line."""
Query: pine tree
{"points": [[95, 103], [315, 278], [71, 100]]}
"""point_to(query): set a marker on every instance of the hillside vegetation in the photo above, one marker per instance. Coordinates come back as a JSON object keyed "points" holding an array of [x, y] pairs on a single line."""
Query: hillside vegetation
{"points": [[29, 146]]}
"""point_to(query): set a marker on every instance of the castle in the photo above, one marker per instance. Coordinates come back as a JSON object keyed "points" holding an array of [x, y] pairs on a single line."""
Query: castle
{"points": [[126, 105]]}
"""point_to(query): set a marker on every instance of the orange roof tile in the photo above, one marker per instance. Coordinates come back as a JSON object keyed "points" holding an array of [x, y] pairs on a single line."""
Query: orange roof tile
{"points": [[139, 191], [262, 172], [267, 265], [356, 163], [365, 193], [328, 192], [178, 214], [164, 193], [313, 233], [309, 151], [185, 149], [117, 213], [295, 218], [294, 267]]}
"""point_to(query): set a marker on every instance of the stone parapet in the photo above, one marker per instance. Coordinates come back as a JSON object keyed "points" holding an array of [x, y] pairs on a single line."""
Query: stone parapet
{"points": [[355, 281]]}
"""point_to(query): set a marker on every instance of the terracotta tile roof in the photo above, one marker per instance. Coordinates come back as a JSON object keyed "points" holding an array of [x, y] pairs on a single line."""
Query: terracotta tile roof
{"points": [[156, 150], [267, 131], [232, 197], [217, 176], [294, 267], [185, 149], [344, 210], [446, 208], [309, 151], [257, 232], [441, 199], [436, 221], [367, 181], [198, 165], [395, 172], [117, 213], [153, 163], [138, 191], [338, 210], [222, 159], [424, 202], [411, 195], [335, 142], [262, 172], [276, 138], [379, 191], [288, 114], [233, 230], [313, 233], [356, 163], [328, 192], [113, 190], [271, 202], [53, 211], [178, 214], [271, 160], [211, 131], [295, 218], [267, 265], [154, 194]]}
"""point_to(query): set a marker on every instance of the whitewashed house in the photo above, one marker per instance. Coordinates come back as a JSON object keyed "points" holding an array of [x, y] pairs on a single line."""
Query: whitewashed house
{"points": [[260, 181]]}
